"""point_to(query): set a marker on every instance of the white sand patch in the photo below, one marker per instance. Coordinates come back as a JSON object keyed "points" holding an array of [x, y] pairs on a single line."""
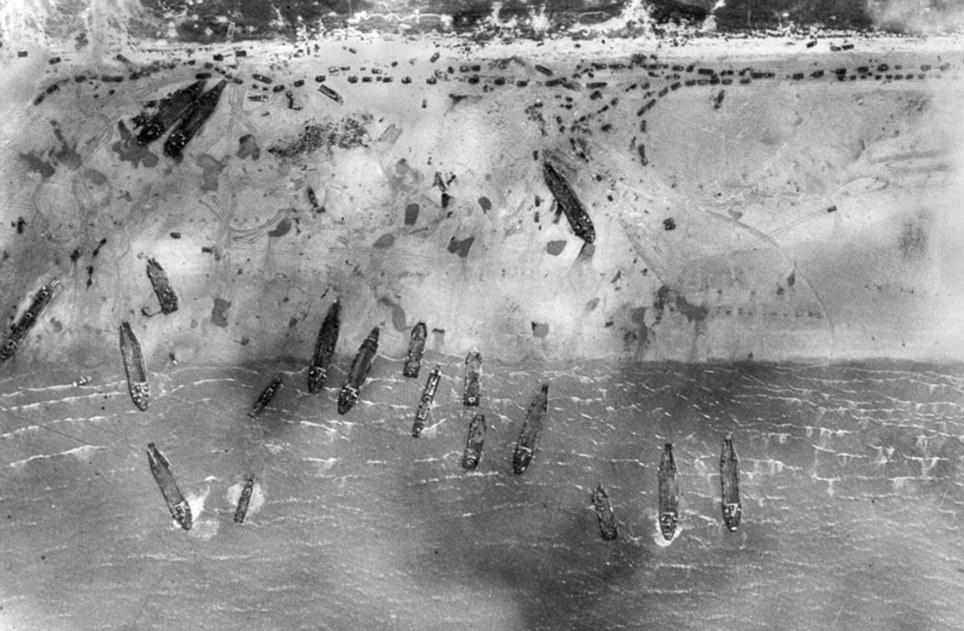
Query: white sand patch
{"points": [[203, 529]]}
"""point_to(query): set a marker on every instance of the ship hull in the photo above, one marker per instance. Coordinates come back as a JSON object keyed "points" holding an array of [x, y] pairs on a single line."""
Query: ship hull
{"points": [[137, 386], [531, 428], [358, 373], [472, 391], [668, 494], [605, 515], [324, 348], [416, 347], [425, 403], [474, 442], [730, 485], [177, 505], [265, 397]]}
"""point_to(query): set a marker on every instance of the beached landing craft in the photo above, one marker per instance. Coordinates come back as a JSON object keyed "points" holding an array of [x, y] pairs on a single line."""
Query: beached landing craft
{"points": [[265, 397], [474, 442], [242, 510], [668, 494], [358, 372], [425, 403], [162, 287], [416, 346], [324, 348], [193, 120], [730, 485], [137, 385], [22, 326], [569, 204], [604, 513], [176, 504], [170, 110], [535, 419], [473, 379]]}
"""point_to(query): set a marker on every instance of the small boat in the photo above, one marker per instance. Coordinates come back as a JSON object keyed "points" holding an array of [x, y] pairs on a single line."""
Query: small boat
{"points": [[425, 403], [162, 287], [242, 510], [358, 372], [25, 322], [164, 476], [473, 376], [137, 386], [474, 442], [730, 485], [324, 348], [535, 418], [668, 494], [265, 397], [604, 513], [416, 346]]}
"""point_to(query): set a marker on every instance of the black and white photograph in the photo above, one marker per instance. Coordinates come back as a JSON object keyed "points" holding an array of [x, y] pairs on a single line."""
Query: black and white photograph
{"points": [[520, 315]]}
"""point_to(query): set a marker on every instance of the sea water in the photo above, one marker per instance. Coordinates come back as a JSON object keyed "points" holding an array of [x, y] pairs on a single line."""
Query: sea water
{"points": [[851, 483]]}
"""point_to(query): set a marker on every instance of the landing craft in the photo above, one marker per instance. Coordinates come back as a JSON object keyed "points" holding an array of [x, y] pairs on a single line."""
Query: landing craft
{"points": [[425, 403], [416, 346], [195, 117], [324, 348], [569, 204], [668, 494], [22, 326], [535, 418], [604, 513], [242, 510], [730, 485], [358, 372], [164, 476], [265, 397], [170, 110], [137, 386], [473, 377], [162, 287], [474, 442]]}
